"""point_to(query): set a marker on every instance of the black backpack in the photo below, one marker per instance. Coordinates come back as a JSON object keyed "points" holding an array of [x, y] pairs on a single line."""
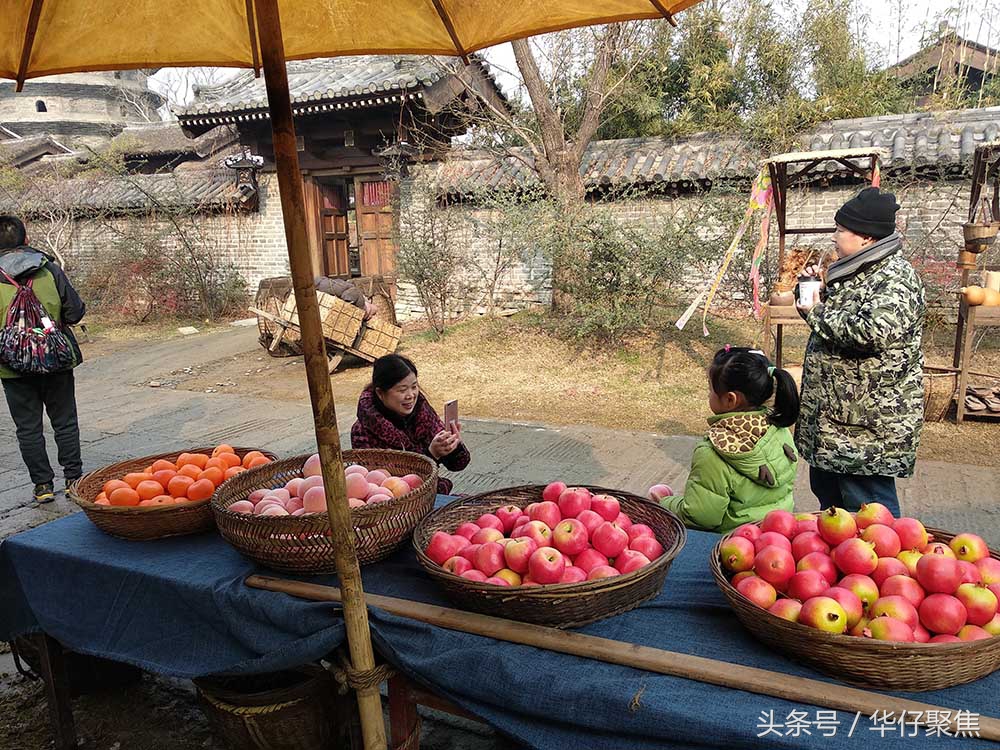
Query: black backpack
{"points": [[30, 342]]}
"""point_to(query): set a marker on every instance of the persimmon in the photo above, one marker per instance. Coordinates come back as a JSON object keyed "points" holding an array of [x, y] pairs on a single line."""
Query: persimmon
{"points": [[147, 503], [213, 474], [198, 459], [102, 501], [149, 489], [112, 485], [200, 490], [148, 470], [163, 499], [250, 457], [229, 459], [233, 471], [133, 479], [218, 463], [163, 476], [101, 496], [161, 464], [223, 448], [189, 470], [179, 485], [258, 461], [124, 496]]}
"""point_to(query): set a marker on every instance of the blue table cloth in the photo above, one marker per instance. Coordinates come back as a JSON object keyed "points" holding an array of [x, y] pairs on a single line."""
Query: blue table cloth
{"points": [[179, 607]]}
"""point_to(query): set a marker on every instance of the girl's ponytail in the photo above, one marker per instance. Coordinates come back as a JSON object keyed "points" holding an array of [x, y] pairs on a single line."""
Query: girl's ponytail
{"points": [[786, 400]]}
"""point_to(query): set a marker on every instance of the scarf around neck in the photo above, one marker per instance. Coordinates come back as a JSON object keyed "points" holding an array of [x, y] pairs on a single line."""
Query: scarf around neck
{"points": [[845, 268]]}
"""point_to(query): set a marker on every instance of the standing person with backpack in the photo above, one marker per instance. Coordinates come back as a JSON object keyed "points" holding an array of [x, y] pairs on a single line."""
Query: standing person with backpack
{"points": [[30, 391]]}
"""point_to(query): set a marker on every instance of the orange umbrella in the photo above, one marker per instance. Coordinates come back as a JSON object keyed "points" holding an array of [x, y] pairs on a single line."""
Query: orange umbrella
{"points": [[43, 37]]}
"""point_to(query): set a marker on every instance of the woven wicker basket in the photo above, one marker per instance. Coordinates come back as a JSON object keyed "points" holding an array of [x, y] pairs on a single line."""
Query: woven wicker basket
{"points": [[863, 661], [302, 544], [940, 384], [561, 605], [291, 710], [144, 523]]}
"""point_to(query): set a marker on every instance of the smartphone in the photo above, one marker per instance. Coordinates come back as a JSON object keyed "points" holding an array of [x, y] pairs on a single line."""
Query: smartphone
{"points": [[451, 414]]}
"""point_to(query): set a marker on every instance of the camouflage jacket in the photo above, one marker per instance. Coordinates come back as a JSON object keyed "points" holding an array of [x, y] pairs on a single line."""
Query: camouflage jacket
{"points": [[862, 386]]}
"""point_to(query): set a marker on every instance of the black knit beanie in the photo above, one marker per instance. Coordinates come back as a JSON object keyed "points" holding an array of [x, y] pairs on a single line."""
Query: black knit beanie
{"points": [[871, 213]]}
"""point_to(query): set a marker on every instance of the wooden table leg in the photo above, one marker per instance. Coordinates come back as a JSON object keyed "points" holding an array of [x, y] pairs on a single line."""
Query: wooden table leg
{"points": [[53, 666], [403, 718], [963, 374], [779, 335]]}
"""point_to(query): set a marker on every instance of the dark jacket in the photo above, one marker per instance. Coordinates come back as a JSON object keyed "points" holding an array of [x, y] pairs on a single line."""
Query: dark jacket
{"points": [[378, 427]]}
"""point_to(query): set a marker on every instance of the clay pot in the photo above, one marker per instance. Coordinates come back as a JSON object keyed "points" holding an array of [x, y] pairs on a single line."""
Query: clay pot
{"points": [[782, 299]]}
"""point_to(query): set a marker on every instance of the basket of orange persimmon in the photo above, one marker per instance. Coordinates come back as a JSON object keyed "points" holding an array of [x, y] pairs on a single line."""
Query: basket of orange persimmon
{"points": [[163, 495], [866, 597]]}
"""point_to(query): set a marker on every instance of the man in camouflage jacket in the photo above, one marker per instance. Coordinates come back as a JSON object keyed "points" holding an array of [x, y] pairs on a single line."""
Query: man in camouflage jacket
{"points": [[862, 389]]}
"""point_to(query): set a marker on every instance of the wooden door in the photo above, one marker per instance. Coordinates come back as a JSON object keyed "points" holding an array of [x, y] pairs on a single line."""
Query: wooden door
{"points": [[333, 230], [376, 203]]}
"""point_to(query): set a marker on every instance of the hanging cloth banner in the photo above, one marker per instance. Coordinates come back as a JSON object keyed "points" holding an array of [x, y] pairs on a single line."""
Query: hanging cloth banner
{"points": [[876, 176], [760, 197]]}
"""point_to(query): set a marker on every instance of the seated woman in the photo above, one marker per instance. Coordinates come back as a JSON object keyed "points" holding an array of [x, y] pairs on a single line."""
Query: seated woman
{"points": [[393, 414]]}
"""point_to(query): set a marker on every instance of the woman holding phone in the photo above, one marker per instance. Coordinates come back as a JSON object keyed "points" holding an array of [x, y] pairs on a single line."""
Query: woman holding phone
{"points": [[393, 414]]}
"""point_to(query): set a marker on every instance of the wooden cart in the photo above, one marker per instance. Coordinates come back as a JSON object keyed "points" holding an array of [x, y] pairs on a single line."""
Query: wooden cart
{"points": [[344, 329]]}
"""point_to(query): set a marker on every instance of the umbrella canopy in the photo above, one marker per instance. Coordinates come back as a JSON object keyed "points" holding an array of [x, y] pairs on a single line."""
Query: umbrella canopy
{"points": [[44, 37]]}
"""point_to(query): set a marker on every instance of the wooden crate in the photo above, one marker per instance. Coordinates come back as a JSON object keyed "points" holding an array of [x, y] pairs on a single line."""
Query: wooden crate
{"points": [[379, 338], [341, 320]]}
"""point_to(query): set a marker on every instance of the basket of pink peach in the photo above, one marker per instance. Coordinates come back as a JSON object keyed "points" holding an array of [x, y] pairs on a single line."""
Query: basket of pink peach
{"points": [[550, 555], [865, 597]]}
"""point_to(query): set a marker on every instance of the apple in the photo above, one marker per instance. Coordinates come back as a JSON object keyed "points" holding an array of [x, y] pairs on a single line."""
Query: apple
{"points": [[609, 539], [884, 539], [969, 572], [887, 628], [939, 548], [467, 529], [590, 520], [546, 565], [905, 587], [457, 565], [821, 562], [942, 613], [938, 574], [537, 532], [573, 574], [659, 491], [570, 537], [441, 547], [469, 552], [910, 558], [898, 607], [911, 533], [508, 515], [757, 590], [862, 586], [494, 581], [989, 569], [518, 552], [779, 521], [993, 626], [979, 602], [805, 522], [623, 521], [605, 506], [772, 539], [413, 480], [489, 558], [590, 559], [945, 639], [774, 564], [602, 571], [648, 546], [806, 584], [921, 634], [836, 525], [969, 547], [741, 575], [639, 529], [855, 556], [787, 609], [858, 631], [474, 575], [461, 542], [547, 512], [872, 513], [853, 607], [887, 568], [973, 633], [572, 502], [806, 542], [485, 535], [552, 491], [490, 521], [750, 530], [510, 576], [630, 560], [823, 613]]}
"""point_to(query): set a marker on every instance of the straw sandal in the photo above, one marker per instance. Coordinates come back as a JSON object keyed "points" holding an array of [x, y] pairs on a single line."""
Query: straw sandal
{"points": [[987, 396]]}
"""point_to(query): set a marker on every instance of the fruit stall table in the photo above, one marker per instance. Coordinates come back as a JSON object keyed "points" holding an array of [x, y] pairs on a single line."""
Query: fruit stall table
{"points": [[179, 607]]}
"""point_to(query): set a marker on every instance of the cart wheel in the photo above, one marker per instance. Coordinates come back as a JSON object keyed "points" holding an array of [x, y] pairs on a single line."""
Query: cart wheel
{"points": [[334, 362]]}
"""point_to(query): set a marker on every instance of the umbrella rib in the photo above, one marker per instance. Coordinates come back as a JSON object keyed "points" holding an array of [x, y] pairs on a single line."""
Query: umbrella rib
{"points": [[450, 28], [29, 41], [664, 12], [251, 26]]}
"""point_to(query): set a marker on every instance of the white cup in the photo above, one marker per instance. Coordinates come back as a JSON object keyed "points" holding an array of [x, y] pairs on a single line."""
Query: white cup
{"points": [[809, 291]]}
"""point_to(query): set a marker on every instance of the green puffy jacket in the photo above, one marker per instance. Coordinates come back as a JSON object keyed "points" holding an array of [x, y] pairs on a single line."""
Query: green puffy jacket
{"points": [[743, 469]]}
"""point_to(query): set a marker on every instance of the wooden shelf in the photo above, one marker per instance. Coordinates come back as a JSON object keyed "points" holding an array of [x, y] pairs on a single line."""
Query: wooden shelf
{"points": [[970, 318]]}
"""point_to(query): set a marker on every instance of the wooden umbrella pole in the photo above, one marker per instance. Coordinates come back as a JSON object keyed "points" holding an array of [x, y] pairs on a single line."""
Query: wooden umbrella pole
{"points": [[314, 347], [711, 671]]}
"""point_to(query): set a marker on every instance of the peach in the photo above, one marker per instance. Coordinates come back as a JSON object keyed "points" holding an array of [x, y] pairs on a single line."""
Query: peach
{"points": [[274, 510], [241, 506], [357, 486], [257, 495], [294, 487], [356, 469], [282, 494], [396, 486], [312, 466], [314, 500], [308, 482], [299, 512], [379, 499], [414, 480], [355, 502], [293, 504], [378, 476]]}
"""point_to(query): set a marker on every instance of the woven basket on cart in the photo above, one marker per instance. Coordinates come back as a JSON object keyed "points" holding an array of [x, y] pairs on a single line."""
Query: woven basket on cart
{"points": [[940, 385], [302, 544], [560, 605], [145, 523], [296, 709], [864, 661]]}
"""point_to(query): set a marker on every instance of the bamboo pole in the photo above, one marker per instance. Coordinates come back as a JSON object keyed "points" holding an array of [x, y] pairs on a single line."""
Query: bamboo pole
{"points": [[711, 671], [314, 347]]}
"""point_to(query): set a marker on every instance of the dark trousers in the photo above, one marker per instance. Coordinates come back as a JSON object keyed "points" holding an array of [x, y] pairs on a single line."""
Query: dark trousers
{"points": [[850, 491], [55, 394]]}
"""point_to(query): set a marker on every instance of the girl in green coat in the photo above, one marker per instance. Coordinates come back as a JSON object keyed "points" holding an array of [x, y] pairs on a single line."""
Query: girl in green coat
{"points": [[745, 467]]}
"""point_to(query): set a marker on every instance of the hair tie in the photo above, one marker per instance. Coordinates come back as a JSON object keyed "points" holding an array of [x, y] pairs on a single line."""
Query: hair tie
{"points": [[727, 348], [770, 371]]}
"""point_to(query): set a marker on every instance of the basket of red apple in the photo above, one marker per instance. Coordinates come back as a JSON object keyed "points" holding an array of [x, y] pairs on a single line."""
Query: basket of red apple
{"points": [[550, 555], [276, 515], [865, 597]]}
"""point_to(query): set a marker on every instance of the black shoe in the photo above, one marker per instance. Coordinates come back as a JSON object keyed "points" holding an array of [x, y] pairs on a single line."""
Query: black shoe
{"points": [[44, 492]]}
